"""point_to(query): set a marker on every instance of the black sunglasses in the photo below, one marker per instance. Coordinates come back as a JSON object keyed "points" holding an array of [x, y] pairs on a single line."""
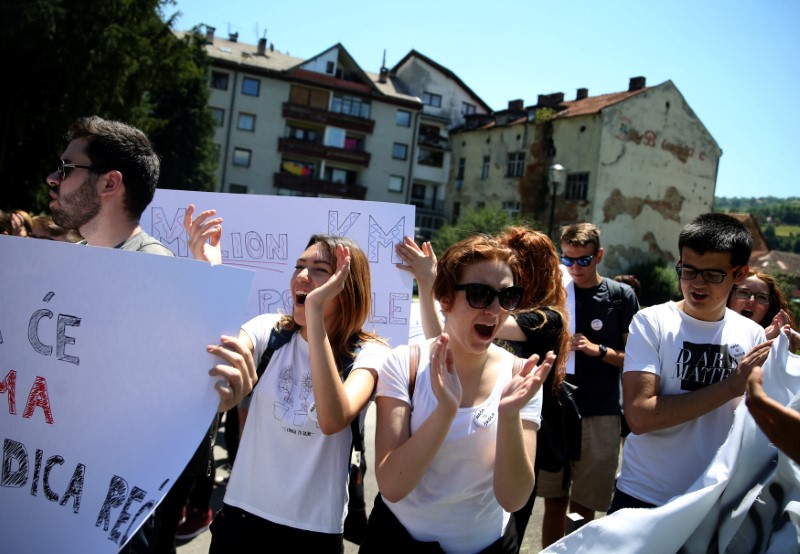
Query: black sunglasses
{"points": [[583, 261], [480, 296], [714, 276], [64, 167]]}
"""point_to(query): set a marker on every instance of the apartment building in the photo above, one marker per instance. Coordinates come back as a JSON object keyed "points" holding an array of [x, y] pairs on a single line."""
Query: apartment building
{"points": [[325, 127], [639, 163]]}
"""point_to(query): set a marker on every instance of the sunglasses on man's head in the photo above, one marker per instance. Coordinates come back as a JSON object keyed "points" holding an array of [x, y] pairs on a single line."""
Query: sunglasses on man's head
{"points": [[479, 296], [583, 261], [64, 168]]}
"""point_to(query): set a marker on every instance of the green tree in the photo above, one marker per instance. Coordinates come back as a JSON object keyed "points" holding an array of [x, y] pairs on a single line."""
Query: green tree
{"points": [[471, 222], [659, 282], [118, 59]]}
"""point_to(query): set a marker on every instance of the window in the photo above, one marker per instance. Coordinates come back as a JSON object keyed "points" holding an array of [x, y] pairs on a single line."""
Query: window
{"points": [[456, 212], [516, 164], [330, 68], [219, 116], [250, 86], [433, 158], [403, 118], [241, 157], [396, 183], [340, 176], [577, 186], [350, 105], [433, 100], [485, 164], [237, 189], [418, 195], [304, 96], [298, 133], [462, 162], [399, 151], [467, 108], [511, 207], [219, 80], [354, 144], [247, 122]]}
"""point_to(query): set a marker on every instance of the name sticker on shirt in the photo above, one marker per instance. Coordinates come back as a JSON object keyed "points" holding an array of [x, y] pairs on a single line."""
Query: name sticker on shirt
{"points": [[596, 324], [484, 417], [312, 412]]}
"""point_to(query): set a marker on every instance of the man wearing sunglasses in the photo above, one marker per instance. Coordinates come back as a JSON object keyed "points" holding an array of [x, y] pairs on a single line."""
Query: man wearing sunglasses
{"points": [[686, 367], [603, 310], [105, 179]]}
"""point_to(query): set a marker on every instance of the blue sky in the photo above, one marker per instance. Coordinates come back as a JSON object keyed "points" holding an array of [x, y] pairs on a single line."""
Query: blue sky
{"points": [[736, 62]]}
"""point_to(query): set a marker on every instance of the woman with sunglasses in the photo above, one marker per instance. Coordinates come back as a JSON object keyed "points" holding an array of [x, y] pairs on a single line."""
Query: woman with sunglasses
{"points": [[454, 454], [759, 297]]}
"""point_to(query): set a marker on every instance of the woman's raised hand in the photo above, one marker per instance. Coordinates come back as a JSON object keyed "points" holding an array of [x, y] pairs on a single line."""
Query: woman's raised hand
{"points": [[333, 286], [524, 385], [444, 378], [419, 261], [205, 232]]}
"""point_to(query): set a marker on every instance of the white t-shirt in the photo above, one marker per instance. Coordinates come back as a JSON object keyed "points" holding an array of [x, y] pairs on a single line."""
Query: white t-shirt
{"points": [[686, 354], [454, 503], [287, 471]]}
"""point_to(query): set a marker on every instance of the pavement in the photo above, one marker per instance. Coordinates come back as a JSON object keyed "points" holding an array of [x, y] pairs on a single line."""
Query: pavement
{"points": [[199, 545]]}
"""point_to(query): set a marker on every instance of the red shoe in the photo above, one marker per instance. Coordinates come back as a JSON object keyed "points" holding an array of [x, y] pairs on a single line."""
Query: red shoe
{"points": [[195, 523]]}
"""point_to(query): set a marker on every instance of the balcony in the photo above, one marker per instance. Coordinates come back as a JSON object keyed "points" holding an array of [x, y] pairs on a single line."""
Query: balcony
{"points": [[311, 185], [324, 117], [316, 150], [435, 142]]}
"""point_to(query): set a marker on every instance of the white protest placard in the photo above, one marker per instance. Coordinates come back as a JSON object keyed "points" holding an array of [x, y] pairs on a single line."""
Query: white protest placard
{"points": [[268, 234], [104, 386]]}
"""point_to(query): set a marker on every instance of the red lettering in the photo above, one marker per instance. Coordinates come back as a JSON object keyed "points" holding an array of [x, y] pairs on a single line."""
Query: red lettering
{"points": [[9, 385], [38, 397]]}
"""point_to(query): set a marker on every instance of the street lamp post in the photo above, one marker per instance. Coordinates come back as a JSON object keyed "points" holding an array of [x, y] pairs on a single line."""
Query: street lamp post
{"points": [[555, 173]]}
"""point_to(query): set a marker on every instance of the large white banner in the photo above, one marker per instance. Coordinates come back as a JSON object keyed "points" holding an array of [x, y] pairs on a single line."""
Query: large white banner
{"points": [[268, 234], [104, 386], [747, 500]]}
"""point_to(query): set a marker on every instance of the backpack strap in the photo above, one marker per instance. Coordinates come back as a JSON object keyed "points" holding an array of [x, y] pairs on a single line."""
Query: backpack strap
{"points": [[519, 363], [413, 363], [277, 338], [355, 429]]}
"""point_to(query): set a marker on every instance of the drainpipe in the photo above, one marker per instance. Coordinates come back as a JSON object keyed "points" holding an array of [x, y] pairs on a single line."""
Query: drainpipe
{"points": [[222, 185]]}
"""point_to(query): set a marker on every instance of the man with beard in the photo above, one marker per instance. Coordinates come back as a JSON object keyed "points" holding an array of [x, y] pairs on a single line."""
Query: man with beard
{"points": [[105, 179]]}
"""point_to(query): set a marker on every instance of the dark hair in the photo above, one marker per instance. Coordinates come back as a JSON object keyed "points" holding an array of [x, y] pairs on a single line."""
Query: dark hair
{"points": [[113, 145], [630, 280], [718, 232]]}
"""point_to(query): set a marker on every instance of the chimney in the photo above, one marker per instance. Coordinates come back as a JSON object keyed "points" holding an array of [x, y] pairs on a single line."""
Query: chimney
{"points": [[210, 34], [636, 83], [271, 47], [233, 37], [550, 100], [515, 105], [262, 47], [384, 74], [582, 93]]}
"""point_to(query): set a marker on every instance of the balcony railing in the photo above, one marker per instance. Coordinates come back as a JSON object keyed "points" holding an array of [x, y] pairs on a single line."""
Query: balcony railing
{"points": [[316, 150], [324, 117], [440, 143], [311, 185]]}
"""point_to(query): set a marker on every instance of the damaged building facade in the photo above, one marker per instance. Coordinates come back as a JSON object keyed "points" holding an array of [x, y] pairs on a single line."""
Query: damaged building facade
{"points": [[637, 163]]}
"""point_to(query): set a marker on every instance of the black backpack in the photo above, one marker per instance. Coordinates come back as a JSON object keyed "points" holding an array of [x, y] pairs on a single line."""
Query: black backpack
{"points": [[355, 524]]}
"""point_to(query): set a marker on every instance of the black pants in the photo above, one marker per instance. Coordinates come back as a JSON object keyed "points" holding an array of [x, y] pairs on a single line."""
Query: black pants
{"points": [[624, 500], [234, 530], [385, 533]]}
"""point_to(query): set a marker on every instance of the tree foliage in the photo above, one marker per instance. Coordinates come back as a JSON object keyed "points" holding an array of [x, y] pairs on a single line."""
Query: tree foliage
{"points": [[485, 220], [659, 282], [115, 58]]}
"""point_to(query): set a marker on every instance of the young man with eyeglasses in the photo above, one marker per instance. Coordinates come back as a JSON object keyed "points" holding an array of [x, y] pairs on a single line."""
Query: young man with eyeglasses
{"points": [[603, 310], [686, 367]]}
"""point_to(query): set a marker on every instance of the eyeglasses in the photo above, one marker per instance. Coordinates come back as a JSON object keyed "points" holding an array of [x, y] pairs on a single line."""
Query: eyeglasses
{"points": [[480, 296], [746, 294], [64, 167], [583, 261], [713, 276]]}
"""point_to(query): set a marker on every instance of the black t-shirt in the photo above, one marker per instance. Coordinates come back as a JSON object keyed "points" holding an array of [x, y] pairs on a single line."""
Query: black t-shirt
{"points": [[603, 314]]}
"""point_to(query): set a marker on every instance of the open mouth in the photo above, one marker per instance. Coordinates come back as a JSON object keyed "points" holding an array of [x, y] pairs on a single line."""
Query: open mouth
{"points": [[699, 296], [300, 298], [484, 331], [747, 313]]}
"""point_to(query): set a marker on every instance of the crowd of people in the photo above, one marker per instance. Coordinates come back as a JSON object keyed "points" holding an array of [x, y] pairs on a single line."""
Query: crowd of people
{"points": [[531, 366]]}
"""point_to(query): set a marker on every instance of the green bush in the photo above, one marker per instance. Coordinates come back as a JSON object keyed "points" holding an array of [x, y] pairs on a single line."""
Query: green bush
{"points": [[659, 282], [488, 221]]}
